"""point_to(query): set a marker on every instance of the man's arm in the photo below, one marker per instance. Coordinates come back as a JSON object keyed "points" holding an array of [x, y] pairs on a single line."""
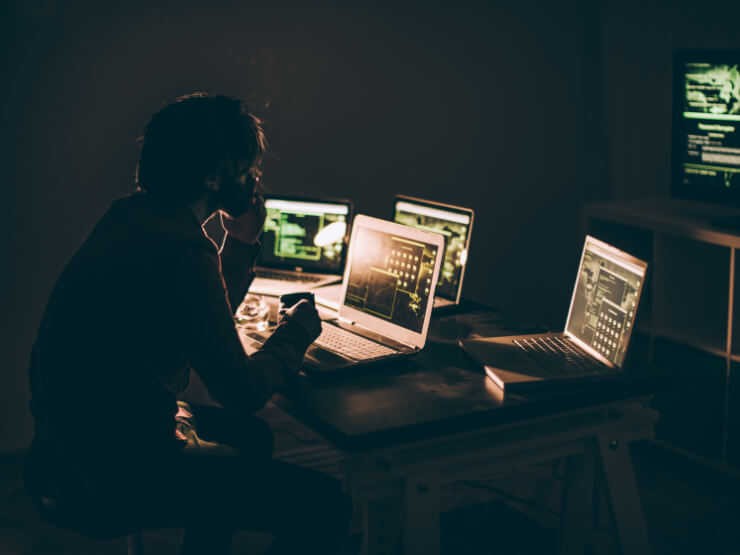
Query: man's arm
{"points": [[203, 317], [237, 268], [240, 249]]}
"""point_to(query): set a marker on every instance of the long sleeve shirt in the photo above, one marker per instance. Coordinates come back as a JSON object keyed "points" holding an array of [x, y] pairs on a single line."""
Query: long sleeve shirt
{"points": [[145, 299]]}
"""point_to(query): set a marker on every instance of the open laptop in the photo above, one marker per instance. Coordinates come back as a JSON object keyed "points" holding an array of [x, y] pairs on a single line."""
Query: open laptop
{"points": [[456, 224], [303, 244], [453, 222], [389, 281], [597, 332]]}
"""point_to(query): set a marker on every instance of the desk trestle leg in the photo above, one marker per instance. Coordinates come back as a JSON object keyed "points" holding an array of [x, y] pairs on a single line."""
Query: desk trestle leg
{"points": [[591, 478], [407, 523], [576, 515], [421, 505], [382, 529], [625, 500]]}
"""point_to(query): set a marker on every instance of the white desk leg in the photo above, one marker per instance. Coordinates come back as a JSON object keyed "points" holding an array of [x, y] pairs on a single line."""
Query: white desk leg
{"points": [[576, 516], [625, 500], [381, 526], [421, 515]]}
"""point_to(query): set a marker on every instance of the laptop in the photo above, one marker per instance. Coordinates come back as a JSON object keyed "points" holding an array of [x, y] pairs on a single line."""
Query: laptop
{"points": [[456, 224], [597, 332], [303, 244], [388, 287], [453, 222]]}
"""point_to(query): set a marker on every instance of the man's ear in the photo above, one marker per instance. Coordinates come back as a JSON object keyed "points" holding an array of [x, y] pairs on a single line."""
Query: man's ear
{"points": [[212, 183]]}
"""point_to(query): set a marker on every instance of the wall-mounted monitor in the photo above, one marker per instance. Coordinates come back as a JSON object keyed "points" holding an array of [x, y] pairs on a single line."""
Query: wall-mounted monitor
{"points": [[705, 158]]}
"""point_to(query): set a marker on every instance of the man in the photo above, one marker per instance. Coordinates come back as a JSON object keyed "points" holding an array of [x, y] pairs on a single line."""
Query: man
{"points": [[147, 298]]}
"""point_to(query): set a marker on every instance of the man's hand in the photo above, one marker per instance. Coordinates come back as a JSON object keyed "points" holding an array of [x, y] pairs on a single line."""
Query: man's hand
{"points": [[247, 227], [305, 315]]}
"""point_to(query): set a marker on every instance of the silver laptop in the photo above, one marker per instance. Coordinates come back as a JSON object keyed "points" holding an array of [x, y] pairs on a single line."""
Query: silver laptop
{"points": [[386, 306], [597, 332], [303, 244], [453, 222], [456, 224]]}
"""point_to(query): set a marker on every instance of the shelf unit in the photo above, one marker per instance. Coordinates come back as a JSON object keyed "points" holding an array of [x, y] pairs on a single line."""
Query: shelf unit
{"points": [[688, 320]]}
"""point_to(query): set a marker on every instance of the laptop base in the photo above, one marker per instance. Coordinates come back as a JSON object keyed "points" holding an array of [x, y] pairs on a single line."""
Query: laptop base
{"points": [[515, 371]]}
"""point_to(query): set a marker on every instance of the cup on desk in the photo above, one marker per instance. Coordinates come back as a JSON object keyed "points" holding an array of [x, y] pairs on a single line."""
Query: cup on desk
{"points": [[290, 299], [252, 314]]}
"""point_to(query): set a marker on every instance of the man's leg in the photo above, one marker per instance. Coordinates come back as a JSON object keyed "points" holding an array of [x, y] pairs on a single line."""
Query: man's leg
{"points": [[248, 434], [305, 510], [228, 481]]}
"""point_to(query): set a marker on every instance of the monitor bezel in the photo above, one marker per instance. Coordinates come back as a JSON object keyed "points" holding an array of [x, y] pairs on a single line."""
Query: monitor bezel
{"points": [[310, 267], [452, 208], [415, 340], [678, 142]]}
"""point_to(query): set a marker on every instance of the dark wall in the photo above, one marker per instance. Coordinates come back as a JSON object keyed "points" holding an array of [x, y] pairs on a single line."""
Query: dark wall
{"points": [[499, 108]]}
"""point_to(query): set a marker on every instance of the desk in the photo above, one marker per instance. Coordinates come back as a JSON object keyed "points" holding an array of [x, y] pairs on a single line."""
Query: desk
{"points": [[407, 428]]}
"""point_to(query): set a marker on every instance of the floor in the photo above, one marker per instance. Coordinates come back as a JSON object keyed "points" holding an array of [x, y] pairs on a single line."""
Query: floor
{"points": [[688, 510]]}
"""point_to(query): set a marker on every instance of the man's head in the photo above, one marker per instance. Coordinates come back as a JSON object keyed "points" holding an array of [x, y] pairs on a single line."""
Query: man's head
{"points": [[202, 145]]}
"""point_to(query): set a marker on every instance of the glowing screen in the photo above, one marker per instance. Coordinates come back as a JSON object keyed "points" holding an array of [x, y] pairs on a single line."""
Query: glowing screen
{"points": [[454, 225], [390, 277], [708, 122], [304, 233], [605, 302]]}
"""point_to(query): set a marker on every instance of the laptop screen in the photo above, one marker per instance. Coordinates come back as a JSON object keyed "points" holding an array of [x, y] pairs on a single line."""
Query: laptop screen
{"points": [[452, 222], [390, 277], [304, 233], [602, 312]]}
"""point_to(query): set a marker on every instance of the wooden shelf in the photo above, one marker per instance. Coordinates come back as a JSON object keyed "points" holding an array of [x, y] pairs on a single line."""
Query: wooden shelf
{"points": [[687, 313], [733, 417], [691, 290], [676, 217], [695, 341]]}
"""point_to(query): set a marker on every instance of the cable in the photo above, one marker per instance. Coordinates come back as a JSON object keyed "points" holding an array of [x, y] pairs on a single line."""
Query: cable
{"points": [[513, 498]]}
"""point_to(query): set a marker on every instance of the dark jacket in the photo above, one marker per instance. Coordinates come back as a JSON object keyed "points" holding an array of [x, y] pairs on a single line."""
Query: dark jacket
{"points": [[145, 299]]}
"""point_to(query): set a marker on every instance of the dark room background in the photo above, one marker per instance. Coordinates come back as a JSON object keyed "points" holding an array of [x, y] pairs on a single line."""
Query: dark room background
{"points": [[523, 111]]}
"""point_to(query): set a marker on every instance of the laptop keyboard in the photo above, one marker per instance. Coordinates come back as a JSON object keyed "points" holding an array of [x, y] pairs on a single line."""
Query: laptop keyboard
{"points": [[558, 354], [280, 276], [350, 344]]}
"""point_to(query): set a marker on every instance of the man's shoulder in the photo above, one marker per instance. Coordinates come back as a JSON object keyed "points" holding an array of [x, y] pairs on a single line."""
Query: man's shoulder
{"points": [[137, 217]]}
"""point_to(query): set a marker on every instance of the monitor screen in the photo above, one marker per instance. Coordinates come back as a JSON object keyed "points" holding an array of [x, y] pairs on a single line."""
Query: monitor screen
{"points": [[454, 224], [602, 312], [305, 234], [706, 125], [390, 277]]}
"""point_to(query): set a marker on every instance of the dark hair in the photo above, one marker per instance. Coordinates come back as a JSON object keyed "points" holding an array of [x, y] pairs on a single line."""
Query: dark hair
{"points": [[195, 137]]}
